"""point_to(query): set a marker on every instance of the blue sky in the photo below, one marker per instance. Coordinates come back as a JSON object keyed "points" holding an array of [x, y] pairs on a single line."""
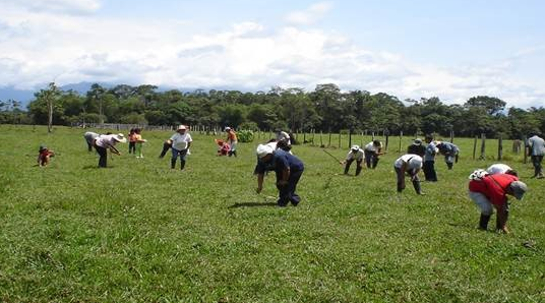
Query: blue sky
{"points": [[411, 49]]}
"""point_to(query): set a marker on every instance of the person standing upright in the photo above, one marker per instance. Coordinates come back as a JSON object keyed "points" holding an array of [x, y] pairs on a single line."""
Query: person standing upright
{"points": [[181, 141], [536, 150], [232, 140], [429, 160]]}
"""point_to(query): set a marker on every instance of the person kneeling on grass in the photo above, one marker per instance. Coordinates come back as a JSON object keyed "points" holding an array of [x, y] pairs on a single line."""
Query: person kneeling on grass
{"points": [[288, 170], [409, 164], [355, 153], [490, 191], [44, 155]]}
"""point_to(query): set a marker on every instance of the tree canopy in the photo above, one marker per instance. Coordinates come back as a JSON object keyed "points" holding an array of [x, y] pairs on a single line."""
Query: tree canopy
{"points": [[326, 108]]}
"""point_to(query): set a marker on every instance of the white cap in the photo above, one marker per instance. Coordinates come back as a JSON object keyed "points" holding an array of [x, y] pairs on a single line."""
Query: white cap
{"points": [[355, 147], [227, 128], [263, 150], [181, 127]]}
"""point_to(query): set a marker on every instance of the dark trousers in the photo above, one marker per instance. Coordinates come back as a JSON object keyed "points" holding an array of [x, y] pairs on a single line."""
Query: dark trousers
{"points": [[103, 153], [166, 147], [132, 147], [349, 163], [429, 171], [175, 154], [286, 193], [90, 146], [538, 169], [371, 159], [400, 179]]}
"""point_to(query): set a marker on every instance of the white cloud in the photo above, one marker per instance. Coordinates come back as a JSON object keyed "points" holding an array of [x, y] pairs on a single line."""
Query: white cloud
{"points": [[67, 6], [309, 16], [39, 47]]}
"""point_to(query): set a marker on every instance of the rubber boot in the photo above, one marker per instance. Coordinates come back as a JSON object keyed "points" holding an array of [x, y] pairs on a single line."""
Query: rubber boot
{"points": [[358, 170], [173, 163], [182, 165], [417, 187], [235, 153], [483, 222], [347, 167], [375, 163], [449, 165]]}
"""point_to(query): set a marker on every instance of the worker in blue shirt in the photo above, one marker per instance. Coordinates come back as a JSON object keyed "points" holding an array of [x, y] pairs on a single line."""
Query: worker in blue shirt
{"points": [[288, 169]]}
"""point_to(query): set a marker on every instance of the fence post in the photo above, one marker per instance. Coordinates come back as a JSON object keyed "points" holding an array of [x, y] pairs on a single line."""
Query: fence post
{"points": [[451, 136], [349, 138], [483, 147], [361, 139], [386, 145], [321, 142], [373, 136], [500, 148], [329, 141], [339, 138], [475, 146]]}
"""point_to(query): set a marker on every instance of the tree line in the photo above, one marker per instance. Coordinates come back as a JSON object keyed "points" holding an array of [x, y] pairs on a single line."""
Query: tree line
{"points": [[326, 109]]}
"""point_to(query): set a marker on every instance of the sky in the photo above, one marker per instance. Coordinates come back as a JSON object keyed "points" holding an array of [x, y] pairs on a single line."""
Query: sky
{"points": [[452, 49]]}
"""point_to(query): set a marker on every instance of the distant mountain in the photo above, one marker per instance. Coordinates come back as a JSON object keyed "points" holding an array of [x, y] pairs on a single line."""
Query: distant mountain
{"points": [[23, 96]]}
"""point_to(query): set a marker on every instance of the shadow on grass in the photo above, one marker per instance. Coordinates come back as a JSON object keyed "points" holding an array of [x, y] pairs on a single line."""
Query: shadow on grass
{"points": [[252, 204], [90, 167]]}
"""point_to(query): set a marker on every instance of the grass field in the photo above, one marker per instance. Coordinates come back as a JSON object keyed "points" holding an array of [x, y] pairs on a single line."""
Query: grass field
{"points": [[141, 232]]}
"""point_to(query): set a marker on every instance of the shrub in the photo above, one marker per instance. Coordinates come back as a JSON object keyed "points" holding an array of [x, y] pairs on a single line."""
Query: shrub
{"points": [[245, 136]]}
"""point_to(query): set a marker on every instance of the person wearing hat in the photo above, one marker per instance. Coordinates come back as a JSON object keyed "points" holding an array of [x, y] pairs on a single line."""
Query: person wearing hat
{"points": [[416, 148], [429, 160], [490, 191], [90, 138], [536, 150], [283, 140], [232, 141], [410, 165], [288, 169], [105, 142], [499, 168], [355, 153], [181, 141], [450, 151], [372, 150]]}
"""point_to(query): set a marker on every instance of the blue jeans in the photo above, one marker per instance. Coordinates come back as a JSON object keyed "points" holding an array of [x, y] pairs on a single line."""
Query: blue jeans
{"points": [[286, 193], [175, 154]]}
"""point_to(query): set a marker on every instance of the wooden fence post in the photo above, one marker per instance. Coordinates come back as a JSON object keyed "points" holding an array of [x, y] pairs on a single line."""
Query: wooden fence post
{"points": [[349, 138], [339, 138], [321, 142], [386, 145], [483, 147], [329, 141], [372, 136], [451, 136], [475, 147], [500, 148]]}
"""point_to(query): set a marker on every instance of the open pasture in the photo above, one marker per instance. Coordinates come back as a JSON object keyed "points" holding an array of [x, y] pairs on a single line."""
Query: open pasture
{"points": [[141, 232]]}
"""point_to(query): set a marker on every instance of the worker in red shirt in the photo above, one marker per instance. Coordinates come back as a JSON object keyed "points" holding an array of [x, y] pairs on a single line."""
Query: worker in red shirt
{"points": [[489, 191]]}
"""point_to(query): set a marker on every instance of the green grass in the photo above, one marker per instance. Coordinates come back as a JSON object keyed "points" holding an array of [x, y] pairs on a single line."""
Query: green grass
{"points": [[141, 232]]}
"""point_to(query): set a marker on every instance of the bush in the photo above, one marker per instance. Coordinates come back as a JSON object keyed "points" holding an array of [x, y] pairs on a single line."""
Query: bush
{"points": [[245, 136]]}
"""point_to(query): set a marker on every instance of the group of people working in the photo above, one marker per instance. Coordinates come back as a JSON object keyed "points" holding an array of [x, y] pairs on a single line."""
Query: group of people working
{"points": [[487, 188]]}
